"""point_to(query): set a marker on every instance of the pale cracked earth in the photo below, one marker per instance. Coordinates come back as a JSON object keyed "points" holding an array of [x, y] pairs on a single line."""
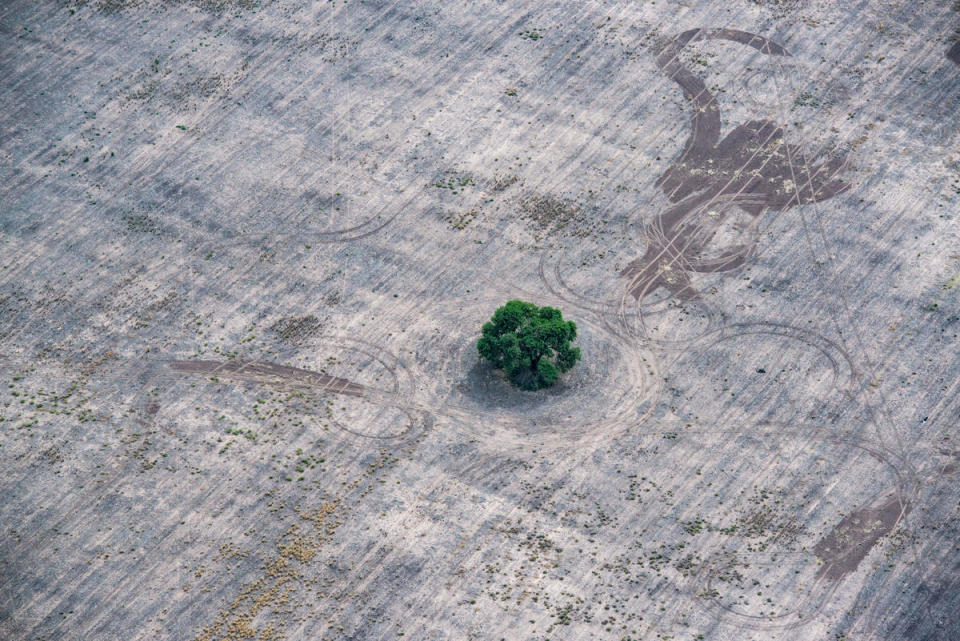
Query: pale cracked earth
{"points": [[246, 249]]}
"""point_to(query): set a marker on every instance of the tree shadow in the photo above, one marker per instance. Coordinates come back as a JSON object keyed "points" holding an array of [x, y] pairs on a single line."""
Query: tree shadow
{"points": [[489, 388]]}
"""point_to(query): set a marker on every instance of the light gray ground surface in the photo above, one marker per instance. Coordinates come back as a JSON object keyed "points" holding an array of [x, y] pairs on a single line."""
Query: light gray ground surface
{"points": [[246, 249]]}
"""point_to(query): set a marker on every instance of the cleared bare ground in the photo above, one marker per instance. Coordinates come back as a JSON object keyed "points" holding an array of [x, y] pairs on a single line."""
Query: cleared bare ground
{"points": [[246, 249]]}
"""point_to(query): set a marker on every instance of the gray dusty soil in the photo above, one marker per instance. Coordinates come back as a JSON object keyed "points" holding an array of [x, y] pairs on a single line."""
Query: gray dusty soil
{"points": [[246, 248]]}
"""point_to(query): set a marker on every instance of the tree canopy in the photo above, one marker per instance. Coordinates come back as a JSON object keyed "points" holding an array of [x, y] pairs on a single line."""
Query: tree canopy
{"points": [[531, 344]]}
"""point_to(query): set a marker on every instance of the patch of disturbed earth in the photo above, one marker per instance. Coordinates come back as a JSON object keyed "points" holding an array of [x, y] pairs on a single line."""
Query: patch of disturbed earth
{"points": [[780, 8], [108, 7], [550, 215], [768, 503], [296, 330], [849, 542], [472, 200]]}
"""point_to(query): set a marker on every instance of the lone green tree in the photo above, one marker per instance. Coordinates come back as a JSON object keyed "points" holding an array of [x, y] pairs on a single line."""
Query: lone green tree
{"points": [[530, 343]]}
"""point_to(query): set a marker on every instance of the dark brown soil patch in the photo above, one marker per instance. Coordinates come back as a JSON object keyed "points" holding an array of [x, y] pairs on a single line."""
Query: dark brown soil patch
{"points": [[954, 53], [849, 542]]}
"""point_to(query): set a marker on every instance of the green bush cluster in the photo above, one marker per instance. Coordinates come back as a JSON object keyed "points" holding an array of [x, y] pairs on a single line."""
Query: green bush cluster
{"points": [[531, 344]]}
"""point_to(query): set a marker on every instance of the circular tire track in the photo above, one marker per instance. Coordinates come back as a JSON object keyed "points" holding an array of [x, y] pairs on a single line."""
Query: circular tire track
{"points": [[589, 406], [771, 86], [556, 284], [833, 351], [641, 322], [399, 397], [838, 361], [625, 314]]}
